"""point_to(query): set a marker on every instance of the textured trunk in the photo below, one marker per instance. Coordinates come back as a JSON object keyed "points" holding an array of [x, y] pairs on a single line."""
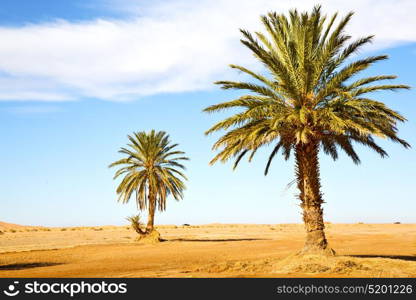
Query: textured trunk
{"points": [[151, 216], [308, 180]]}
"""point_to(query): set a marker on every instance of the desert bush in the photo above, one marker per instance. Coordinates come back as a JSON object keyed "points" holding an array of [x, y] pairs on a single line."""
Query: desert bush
{"points": [[136, 224], [12, 230], [63, 229]]}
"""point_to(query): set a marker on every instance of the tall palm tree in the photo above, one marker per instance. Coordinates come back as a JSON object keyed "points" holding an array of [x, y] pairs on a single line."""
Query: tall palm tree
{"points": [[304, 102], [152, 171]]}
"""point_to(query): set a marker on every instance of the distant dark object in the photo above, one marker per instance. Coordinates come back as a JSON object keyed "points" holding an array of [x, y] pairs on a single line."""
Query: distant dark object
{"points": [[186, 225], [397, 223]]}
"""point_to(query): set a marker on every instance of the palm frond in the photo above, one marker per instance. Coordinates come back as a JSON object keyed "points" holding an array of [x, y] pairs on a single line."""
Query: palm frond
{"points": [[151, 168], [309, 92]]}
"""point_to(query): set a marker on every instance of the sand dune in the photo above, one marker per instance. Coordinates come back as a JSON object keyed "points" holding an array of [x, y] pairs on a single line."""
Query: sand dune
{"points": [[213, 250], [10, 226]]}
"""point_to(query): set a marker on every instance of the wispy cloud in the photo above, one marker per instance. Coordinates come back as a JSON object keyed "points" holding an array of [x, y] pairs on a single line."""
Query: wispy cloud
{"points": [[163, 47]]}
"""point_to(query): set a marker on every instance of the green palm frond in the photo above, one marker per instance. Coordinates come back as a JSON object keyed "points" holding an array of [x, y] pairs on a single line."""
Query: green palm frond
{"points": [[151, 166], [310, 91]]}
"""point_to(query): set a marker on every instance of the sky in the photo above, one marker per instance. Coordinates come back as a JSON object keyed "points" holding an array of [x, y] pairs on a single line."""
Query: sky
{"points": [[77, 76]]}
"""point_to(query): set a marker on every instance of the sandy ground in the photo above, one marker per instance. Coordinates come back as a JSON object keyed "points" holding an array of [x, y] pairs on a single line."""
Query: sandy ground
{"points": [[216, 250]]}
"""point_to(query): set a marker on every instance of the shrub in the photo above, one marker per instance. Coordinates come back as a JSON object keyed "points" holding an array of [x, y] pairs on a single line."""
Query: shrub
{"points": [[136, 224]]}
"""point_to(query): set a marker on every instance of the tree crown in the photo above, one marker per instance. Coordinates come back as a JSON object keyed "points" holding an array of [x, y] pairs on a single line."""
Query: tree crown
{"points": [[151, 167], [309, 93]]}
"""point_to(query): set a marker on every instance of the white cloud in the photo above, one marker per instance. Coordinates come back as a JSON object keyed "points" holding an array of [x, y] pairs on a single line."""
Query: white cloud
{"points": [[173, 46]]}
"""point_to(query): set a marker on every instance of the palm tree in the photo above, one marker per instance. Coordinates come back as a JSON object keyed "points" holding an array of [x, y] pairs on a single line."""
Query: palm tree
{"points": [[306, 101], [152, 171]]}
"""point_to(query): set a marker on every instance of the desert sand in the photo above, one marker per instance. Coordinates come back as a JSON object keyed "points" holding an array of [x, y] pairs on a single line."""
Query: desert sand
{"points": [[214, 250]]}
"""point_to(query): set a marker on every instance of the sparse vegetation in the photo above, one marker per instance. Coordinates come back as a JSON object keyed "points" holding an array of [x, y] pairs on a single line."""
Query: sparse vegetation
{"points": [[309, 100], [136, 224]]}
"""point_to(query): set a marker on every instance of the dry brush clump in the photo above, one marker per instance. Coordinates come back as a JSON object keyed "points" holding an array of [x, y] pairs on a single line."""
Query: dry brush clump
{"points": [[345, 265], [145, 236], [247, 267], [316, 265], [136, 224]]}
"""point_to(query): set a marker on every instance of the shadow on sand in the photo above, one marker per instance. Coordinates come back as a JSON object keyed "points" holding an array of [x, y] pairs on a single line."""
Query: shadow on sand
{"points": [[22, 266], [401, 257], [211, 240]]}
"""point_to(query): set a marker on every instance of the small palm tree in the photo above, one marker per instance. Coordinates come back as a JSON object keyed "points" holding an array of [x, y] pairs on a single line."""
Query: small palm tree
{"points": [[307, 101], [151, 171]]}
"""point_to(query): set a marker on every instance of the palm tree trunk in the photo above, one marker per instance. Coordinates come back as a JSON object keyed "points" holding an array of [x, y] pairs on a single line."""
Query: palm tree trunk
{"points": [[151, 215], [308, 180]]}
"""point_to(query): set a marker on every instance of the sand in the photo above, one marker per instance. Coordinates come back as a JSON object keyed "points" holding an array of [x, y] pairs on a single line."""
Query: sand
{"points": [[215, 250]]}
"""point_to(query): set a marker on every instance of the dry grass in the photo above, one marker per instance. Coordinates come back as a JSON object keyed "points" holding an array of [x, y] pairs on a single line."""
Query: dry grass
{"points": [[346, 265]]}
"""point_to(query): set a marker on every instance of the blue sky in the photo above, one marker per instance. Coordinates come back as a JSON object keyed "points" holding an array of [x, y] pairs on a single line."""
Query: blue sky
{"points": [[77, 76]]}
